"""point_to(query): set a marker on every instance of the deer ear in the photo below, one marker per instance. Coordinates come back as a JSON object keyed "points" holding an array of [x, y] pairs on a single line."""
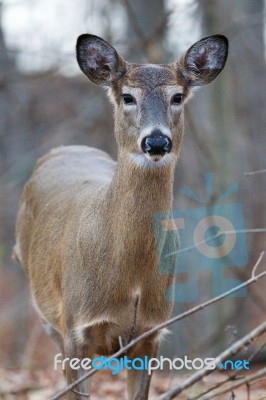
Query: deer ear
{"points": [[204, 60], [99, 61]]}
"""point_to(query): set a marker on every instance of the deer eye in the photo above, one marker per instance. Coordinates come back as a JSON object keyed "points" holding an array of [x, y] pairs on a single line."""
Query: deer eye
{"points": [[128, 99], [177, 98]]}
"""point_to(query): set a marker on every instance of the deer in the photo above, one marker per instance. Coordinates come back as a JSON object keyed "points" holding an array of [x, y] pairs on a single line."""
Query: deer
{"points": [[84, 231]]}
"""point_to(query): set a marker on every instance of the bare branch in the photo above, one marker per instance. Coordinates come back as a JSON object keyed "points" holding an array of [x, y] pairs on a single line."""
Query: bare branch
{"points": [[261, 171], [230, 351], [120, 342], [231, 377], [247, 380], [257, 264], [217, 235], [256, 381], [155, 329]]}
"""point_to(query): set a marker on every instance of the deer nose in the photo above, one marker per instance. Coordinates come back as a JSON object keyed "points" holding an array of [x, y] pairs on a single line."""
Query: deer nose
{"points": [[156, 143]]}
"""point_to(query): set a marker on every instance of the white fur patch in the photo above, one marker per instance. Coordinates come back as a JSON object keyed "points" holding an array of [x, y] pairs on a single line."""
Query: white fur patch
{"points": [[146, 161], [79, 329]]}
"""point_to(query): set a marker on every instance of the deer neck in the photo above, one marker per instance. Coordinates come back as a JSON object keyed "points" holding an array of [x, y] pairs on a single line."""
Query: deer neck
{"points": [[136, 194]]}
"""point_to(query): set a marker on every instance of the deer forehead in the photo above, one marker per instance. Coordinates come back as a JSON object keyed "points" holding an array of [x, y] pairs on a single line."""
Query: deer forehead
{"points": [[149, 77], [147, 81]]}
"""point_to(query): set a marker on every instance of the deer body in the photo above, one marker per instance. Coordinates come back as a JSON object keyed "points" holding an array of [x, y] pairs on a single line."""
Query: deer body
{"points": [[84, 228]]}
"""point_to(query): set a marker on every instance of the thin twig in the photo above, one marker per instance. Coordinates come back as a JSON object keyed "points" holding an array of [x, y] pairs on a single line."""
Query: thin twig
{"points": [[120, 342], [257, 381], [244, 381], [218, 234], [233, 376], [248, 390], [261, 171], [257, 264], [230, 351], [155, 329]]}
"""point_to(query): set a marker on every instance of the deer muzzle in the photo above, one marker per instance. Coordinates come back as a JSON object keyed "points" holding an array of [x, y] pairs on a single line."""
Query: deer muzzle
{"points": [[156, 143]]}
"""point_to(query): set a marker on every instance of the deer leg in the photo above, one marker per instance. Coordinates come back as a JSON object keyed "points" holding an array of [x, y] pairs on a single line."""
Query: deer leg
{"points": [[138, 382], [72, 350], [55, 335]]}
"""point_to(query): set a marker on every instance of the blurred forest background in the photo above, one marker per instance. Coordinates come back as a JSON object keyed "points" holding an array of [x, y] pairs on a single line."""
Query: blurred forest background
{"points": [[45, 101]]}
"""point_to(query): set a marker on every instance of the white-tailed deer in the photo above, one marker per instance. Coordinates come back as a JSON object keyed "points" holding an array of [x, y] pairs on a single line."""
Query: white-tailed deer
{"points": [[84, 230]]}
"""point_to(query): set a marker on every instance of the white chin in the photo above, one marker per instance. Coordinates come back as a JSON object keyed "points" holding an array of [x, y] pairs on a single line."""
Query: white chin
{"points": [[152, 162]]}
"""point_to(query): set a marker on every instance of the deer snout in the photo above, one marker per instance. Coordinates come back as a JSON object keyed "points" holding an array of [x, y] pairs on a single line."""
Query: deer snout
{"points": [[156, 143]]}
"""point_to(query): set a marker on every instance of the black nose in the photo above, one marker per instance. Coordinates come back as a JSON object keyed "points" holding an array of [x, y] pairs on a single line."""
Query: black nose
{"points": [[156, 143]]}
